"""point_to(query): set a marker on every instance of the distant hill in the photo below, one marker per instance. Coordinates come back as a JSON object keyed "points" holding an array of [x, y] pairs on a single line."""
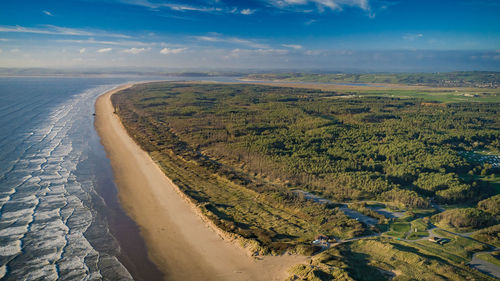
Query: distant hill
{"points": [[480, 79]]}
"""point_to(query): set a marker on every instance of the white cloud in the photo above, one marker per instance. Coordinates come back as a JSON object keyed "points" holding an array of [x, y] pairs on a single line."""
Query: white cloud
{"points": [[104, 50], [272, 51], [208, 38], [247, 11], [134, 51], [236, 53], [58, 30], [1, 51], [292, 46], [82, 50], [15, 51], [321, 4], [412, 37], [47, 13], [143, 3], [232, 40], [4, 39], [167, 51], [172, 6], [312, 52], [309, 22], [209, 7], [103, 42], [191, 8]]}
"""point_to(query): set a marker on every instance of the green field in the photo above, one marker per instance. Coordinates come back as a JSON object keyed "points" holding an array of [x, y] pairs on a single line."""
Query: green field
{"points": [[450, 96], [454, 79], [458, 249], [398, 229], [418, 229]]}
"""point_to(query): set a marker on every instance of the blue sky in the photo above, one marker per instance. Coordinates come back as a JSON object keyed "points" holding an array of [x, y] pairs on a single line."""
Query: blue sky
{"points": [[356, 35]]}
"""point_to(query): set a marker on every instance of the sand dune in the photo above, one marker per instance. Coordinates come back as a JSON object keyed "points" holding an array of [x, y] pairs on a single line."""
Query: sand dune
{"points": [[179, 241]]}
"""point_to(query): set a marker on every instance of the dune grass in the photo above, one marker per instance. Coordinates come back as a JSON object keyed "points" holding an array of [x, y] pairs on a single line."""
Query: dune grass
{"points": [[383, 258], [489, 235]]}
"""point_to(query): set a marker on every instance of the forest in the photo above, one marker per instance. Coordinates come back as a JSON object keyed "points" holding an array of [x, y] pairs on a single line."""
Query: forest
{"points": [[241, 151]]}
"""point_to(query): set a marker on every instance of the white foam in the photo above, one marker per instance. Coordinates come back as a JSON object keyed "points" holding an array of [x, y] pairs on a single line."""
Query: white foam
{"points": [[46, 215], [14, 231], [51, 200], [11, 248], [17, 214], [25, 199], [42, 272]]}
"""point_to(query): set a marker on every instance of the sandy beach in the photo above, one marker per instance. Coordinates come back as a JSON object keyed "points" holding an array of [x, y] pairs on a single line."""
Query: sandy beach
{"points": [[179, 241]]}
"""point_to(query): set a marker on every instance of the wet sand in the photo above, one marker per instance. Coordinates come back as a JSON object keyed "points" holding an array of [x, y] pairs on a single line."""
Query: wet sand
{"points": [[179, 241]]}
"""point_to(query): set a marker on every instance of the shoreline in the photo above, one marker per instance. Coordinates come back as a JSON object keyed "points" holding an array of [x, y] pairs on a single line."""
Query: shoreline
{"points": [[180, 240]]}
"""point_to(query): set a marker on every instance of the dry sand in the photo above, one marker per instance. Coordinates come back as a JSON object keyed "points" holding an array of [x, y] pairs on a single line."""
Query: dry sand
{"points": [[179, 242]]}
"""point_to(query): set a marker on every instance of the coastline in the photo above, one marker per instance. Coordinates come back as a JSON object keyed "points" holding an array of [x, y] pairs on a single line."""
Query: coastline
{"points": [[183, 244]]}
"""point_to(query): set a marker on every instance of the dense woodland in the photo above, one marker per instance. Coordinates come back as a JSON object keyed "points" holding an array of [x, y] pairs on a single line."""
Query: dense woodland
{"points": [[263, 142]]}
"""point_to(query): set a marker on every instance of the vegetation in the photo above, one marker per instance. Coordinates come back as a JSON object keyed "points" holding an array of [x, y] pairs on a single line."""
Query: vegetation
{"points": [[465, 219], [458, 249], [418, 229], [450, 79], [363, 208], [343, 149], [408, 262], [241, 153], [383, 259], [490, 235], [398, 229], [493, 258], [490, 205]]}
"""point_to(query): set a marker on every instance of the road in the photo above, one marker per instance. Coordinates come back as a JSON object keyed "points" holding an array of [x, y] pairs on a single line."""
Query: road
{"points": [[484, 266], [477, 263]]}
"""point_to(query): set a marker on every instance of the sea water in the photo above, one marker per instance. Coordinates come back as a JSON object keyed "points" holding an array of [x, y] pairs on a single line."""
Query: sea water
{"points": [[55, 219], [59, 213]]}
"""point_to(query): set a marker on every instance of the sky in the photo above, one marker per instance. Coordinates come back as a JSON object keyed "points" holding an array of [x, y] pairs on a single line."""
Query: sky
{"points": [[333, 35]]}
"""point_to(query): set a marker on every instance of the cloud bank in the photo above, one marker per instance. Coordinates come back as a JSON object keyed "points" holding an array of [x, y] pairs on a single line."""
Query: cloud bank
{"points": [[134, 51], [104, 50], [168, 51]]}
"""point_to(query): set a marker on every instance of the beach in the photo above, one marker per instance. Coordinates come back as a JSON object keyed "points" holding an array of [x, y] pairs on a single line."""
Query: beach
{"points": [[179, 241]]}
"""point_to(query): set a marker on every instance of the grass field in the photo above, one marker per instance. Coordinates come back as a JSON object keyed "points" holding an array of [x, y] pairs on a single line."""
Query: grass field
{"points": [[437, 95], [417, 235], [418, 229], [398, 229], [458, 250], [460, 79]]}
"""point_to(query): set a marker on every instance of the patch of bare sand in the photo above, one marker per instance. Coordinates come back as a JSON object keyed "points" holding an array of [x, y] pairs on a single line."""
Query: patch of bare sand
{"points": [[179, 241]]}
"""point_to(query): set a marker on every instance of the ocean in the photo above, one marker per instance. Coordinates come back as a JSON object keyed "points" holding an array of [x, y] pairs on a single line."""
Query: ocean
{"points": [[59, 214]]}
